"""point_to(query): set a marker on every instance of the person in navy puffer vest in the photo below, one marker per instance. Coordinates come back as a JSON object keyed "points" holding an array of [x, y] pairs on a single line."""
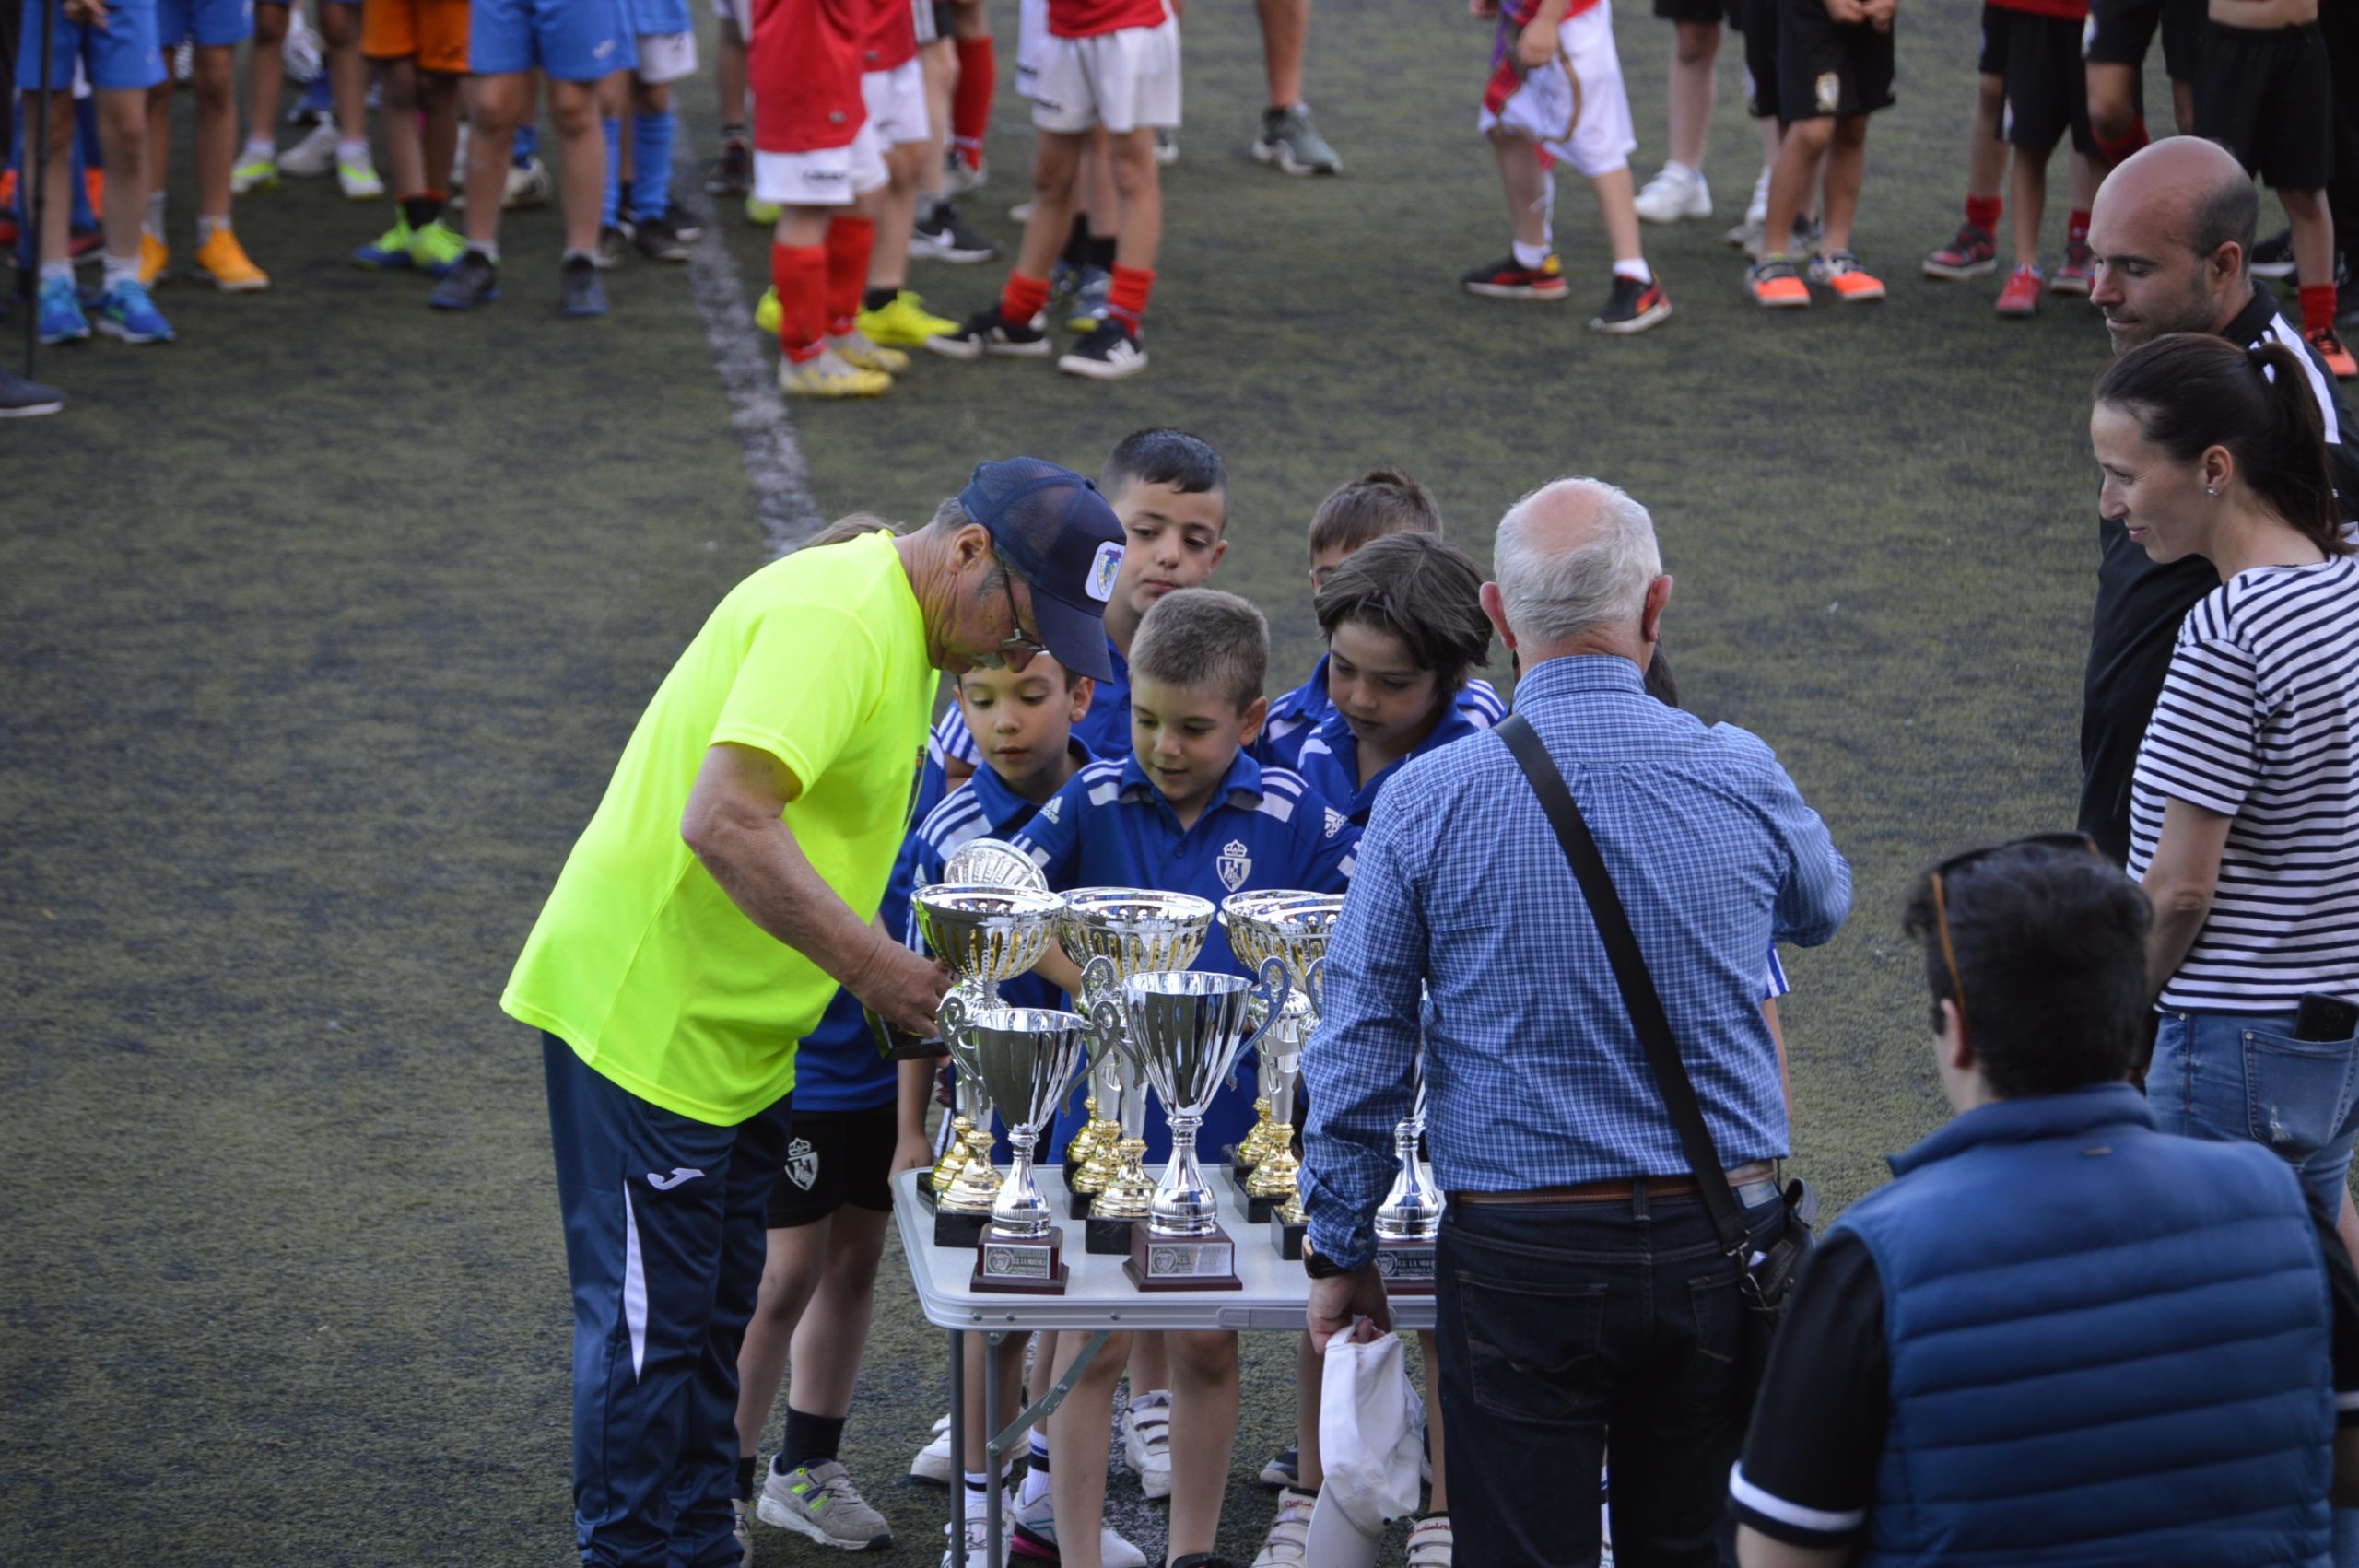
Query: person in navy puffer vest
{"points": [[2061, 1337]]}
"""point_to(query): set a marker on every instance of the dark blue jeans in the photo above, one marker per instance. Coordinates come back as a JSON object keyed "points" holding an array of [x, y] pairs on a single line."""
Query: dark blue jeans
{"points": [[663, 1238], [1566, 1329]]}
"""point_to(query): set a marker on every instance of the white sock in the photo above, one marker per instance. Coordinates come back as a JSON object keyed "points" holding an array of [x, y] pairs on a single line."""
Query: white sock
{"points": [[206, 227], [262, 148], [63, 269], [153, 222], [977, 1485], [1532, 256], [1635, 267], [349, 150], [488, 249], [1672, 166], [122, 269]]}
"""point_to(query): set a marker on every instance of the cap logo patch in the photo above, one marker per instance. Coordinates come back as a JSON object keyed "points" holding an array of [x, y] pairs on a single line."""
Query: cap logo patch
{"points": [[1099, 583]]}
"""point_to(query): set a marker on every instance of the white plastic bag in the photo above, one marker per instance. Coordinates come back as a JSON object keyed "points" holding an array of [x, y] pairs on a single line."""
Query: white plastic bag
{"points": [[1371, 1432]]}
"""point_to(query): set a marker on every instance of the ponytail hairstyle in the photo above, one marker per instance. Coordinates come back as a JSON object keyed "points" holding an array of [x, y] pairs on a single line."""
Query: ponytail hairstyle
{"points": [[2190, 392], [1425, 592]]}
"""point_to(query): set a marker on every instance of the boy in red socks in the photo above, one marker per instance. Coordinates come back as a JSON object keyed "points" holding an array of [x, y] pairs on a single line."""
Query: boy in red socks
{"points": [[817, 156], [971, 100], [1110, 63], [2119, 32]]}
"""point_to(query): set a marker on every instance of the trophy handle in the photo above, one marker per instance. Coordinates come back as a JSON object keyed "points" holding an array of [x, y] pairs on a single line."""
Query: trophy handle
{"points": [[954, 1017], [1271, 991], [1099, 978], [1314, 984]]}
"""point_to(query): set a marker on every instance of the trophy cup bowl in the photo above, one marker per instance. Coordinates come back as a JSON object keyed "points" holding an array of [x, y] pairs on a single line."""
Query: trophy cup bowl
{"points": [[1025, 1058], [1186, 1029], [992, 862]]}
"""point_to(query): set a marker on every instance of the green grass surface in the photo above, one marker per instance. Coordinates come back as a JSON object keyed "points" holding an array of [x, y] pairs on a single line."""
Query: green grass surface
{"points": [[321, 628]]}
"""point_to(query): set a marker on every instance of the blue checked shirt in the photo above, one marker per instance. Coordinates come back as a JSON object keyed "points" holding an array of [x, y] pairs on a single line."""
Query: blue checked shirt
{"points": [[1534, 1074]]}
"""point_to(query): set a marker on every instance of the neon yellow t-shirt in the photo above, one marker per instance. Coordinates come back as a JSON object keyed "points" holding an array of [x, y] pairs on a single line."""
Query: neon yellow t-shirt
{"points": [[639, 961]]}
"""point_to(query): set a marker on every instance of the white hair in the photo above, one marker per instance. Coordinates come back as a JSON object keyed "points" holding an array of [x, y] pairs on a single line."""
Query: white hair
{"points": [[1551, 594]]}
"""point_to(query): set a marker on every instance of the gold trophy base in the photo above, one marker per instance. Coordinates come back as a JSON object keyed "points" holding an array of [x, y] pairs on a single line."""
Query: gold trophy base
{"points": [[1271, 1186], [1085, 1145], [954, 1158], [1127, 1200]]}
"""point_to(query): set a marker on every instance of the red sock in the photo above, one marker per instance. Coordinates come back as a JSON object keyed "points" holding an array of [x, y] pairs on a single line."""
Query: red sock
{"points": [[2114, 150], [1023, 298], [850, 240], [799, 275], [2317, 305], [971, 104], [2076, 228], [1983, 212], [1126, 299]]}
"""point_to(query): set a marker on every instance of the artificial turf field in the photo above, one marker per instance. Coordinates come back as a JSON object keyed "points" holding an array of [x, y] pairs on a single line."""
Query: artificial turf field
{"points": [[320, 627]]}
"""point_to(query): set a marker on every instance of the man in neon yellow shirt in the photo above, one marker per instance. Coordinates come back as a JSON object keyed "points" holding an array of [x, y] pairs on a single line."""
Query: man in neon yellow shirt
{"points": [[727, 884]]}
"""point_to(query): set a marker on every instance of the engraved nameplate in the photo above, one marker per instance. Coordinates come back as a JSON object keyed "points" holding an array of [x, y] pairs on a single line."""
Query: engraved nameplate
{"points": [[1016, 1262], [1405, 1265]]}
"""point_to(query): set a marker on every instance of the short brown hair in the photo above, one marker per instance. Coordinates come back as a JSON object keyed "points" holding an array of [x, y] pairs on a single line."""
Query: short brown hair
{"points": [[1201, 636], [1425, 592], [851, 526], [1381, 501]]}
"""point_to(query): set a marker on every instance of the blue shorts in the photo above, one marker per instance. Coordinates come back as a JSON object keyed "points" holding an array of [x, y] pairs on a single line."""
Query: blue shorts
{"points": [[208, 22], [2243, 1076], [120, 56], [574, 41], [658, 16]]}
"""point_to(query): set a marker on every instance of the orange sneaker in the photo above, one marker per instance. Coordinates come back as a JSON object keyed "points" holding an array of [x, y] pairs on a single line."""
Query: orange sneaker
{"points": [[2330, 346], [1852, 284], [1773, 281], [225, 261], [153, 259], [2020, 295]]}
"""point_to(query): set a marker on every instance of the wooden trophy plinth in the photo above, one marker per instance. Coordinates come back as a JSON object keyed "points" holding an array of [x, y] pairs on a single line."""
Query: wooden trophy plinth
{"points": [[1021, 1265], [1239, 1171], [954, 1227], [1287, 1238], [1407, 1266], [1182, 1263], [1076, 1201]]}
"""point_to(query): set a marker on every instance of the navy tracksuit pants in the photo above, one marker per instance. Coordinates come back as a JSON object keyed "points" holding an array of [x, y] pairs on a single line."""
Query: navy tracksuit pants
{"points": [[663, 1238]]}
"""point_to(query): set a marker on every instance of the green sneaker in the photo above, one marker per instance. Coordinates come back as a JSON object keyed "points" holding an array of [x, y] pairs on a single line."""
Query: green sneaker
{"points": [[436, 249], [819, 1501], [390, 251], [760, 212], [253, 174]]}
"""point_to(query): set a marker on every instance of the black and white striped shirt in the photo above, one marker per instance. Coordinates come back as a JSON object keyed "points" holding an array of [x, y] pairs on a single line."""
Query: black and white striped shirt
{"points": [[2259, 720]]}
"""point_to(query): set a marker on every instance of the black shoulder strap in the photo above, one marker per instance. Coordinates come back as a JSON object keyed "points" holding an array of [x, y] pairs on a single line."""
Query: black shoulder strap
{"points": [[1630, 973]]}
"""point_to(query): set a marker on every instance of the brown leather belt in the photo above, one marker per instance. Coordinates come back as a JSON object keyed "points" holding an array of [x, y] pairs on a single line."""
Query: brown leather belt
{"points": [[1751, 1188]]}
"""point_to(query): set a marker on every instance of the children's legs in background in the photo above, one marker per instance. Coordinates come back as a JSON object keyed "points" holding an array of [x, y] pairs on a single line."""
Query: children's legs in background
{"points": [[2030, 187], [1846, 164], [1790, 180], [1077, 1446], [1986, 155], [2313, 227], [938, 63], [817, 1298], [1430, 1350], [1203, 1427], [1617, 209], [729, 77], [500, 103], [977, 74], [1309, 1387], [1138, 191], [265, 69], [1100, 197], [348, 72], [582, 152], [897, 211], [653, 129], [1056, 163], [1526, 185], [406, 159], [1286, 32], [1694, 50]]}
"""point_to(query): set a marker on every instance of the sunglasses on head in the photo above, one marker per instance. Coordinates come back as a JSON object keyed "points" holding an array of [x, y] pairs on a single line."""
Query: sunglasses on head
{"points": [[1958, 862]]}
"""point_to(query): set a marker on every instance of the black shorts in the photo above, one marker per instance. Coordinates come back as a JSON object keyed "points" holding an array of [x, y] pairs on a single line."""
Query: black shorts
{"points": [[1827, 68], [2268, 97], [1691, 10], [2048, 86], [836, 1157], [1757, 19], [2119, 30]]}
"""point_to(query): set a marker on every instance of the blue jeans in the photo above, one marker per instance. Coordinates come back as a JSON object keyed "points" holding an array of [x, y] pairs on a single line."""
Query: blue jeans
{"points": [[2242, 1075], [1562, 1323], [663, 1240]]}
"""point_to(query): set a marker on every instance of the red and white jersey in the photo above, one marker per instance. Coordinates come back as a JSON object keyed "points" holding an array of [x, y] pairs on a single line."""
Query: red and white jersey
{"points": [[1087, 19], [805, 62], [891, 40]]}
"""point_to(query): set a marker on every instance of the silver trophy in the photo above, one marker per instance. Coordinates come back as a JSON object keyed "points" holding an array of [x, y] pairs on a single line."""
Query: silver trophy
{"points": [[1187, 1028], [1410, 1217], [983, 935], [992, 862], [1269, 1137], [1294, 929], [1025, 1058], [1112, 934]]}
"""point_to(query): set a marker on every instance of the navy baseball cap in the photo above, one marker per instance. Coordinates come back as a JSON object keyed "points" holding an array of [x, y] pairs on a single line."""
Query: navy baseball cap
{"points": [[1053, 527]]}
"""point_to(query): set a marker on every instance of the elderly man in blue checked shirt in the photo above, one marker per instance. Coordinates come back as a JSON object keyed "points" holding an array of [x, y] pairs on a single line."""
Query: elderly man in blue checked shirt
{"points": [[1581, 1286]]}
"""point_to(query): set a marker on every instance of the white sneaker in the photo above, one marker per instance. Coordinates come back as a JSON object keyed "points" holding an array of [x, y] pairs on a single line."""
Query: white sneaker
{"points": [[530, 184], [1429, 1542], [1674, 193], [358, 179], [1147, 1441], [933, 1463], [978, 1547], [819, 1502], [1041, 1519], [314, 154], [1289, 1539]]}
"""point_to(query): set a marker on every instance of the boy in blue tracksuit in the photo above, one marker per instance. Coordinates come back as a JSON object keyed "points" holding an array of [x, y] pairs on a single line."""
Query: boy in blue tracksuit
{"points": [[664, 35]]}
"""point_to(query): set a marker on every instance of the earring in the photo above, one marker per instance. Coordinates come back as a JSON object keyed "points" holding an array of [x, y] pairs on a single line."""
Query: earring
{"points": [[2213, 491]]}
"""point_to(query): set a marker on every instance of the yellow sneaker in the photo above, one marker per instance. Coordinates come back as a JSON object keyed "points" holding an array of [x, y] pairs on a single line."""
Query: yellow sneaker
{"points": [[862, 354], [904, 324], [828, 374], [153, 258], [766, 314], [225, 261], [760, 212]]}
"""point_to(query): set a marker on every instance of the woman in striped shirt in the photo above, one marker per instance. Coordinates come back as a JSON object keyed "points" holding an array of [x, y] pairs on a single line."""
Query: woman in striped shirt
{"points": [[2244, 805]]}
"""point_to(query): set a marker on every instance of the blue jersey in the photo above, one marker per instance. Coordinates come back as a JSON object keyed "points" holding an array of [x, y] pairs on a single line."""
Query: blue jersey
{"points": [[1330, 761], [1294, 716], [1104, 731], [1110, 827], [841, 1064]]}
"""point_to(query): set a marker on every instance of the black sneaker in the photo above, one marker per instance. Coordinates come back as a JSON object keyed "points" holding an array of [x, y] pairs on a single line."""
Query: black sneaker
{"points": [[475, 281], [2274, 257], [1510, 279], [583, 291], [732, 173], [1632, 307], [686, 228], [987, 332], [942, 237], [1284, 1468], [21, 399], [614, 248], [658, 241], [1111, 352]]}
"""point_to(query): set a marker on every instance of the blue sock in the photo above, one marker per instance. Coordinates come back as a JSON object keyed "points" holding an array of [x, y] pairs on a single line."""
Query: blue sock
{"points": [[527, 142], [614, 174], [318, 97], [651, 184]]}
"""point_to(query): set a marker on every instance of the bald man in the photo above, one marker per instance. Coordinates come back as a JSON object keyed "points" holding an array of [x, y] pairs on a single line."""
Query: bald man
{"points": [[2170, 232], [1579, 1273]]}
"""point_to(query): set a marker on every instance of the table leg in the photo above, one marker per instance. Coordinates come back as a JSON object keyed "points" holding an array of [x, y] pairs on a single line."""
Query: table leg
{"points": [[958, 1448], [991, 1487]]}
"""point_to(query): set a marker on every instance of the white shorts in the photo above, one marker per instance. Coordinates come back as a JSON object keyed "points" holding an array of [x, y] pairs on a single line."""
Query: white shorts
{"points": [[1031, 32], [1120, 81], [1589, 129], [665, 57], [896, 101], [831, 178]]}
